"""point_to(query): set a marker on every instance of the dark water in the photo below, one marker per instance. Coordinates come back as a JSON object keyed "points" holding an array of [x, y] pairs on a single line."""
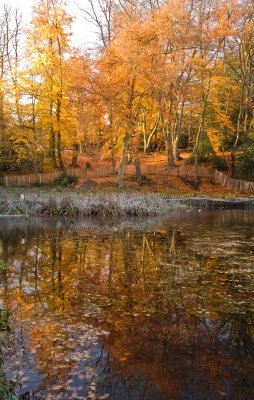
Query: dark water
{"points": [[130, 310]]}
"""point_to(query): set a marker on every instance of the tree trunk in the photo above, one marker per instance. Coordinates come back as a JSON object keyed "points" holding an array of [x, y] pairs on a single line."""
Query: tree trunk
{"points": [[148, 137], [170, 155], [177, 133], [128, 134], [113, 160], [168, 142], [52, 140], [233, 169], [2, 122], [196, 148], [59, 136], [138, 168], [123, 160], [52, 147], [175, 151], [74, 162], [59, 151]]}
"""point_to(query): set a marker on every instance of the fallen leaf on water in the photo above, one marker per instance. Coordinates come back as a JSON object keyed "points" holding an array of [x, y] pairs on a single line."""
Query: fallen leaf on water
{"points": [[91, 395], [89, 373]]}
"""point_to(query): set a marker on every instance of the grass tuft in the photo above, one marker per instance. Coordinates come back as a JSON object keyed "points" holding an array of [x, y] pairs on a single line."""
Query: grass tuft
{"points": [[79, 204], [106, 204]]}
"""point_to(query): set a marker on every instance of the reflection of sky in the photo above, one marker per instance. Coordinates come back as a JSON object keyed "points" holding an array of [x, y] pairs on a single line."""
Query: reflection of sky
{"points": [[83, 32]]}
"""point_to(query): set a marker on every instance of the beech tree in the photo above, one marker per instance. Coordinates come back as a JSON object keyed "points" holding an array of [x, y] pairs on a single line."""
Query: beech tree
{"points": [[48, 44]]}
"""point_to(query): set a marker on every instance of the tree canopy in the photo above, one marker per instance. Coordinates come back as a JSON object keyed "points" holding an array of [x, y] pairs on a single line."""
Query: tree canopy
{"points": [[163, 75]]}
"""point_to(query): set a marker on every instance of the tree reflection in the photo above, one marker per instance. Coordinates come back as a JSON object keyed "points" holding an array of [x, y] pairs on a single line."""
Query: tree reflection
{"points": [[154, 314]]}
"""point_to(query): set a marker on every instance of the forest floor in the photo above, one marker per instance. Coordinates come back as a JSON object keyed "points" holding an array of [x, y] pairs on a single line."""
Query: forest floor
{"points": [[97, 193], [157, 178]]}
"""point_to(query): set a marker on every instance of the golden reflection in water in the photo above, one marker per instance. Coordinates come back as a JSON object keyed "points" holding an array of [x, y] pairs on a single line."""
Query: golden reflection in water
{"points": [[158, 313]]}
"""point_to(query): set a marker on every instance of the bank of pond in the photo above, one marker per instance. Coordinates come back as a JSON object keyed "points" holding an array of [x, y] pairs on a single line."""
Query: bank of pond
{"points": [[107, 204]]}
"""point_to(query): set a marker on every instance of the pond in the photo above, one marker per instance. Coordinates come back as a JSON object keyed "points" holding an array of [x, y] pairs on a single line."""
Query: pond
{"points": [[156, 309]]}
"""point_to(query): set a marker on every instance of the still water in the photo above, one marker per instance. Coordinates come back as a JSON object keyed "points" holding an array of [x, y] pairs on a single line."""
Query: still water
{"points": [[157, 309]]}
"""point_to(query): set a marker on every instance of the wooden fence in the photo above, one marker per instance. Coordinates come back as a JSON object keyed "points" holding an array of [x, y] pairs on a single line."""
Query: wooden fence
{"points": [[29, 179], [187, 171], [50, 177], [237, 185], [220, 178]]}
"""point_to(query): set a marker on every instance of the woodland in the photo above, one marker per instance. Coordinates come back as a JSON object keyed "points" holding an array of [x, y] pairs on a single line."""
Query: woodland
{"points": [[108, 304], [162, 76]]}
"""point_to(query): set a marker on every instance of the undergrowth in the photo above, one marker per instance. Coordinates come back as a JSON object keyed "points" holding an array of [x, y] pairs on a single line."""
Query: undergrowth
{"points": [[66, 180], [80, 204]]}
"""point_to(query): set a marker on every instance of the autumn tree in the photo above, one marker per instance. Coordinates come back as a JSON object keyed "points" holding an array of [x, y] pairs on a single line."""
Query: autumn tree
{"points": [[239, 56], [48, 44], [163, 74], [101, 14], [10, 30]]}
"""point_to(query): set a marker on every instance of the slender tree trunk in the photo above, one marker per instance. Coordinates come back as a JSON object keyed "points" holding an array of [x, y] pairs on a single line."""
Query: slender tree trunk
{"points": [[177, 133], [168, 141], [74, 162], [113, 160], [238, 128], [137, 166], [169, 149], [59, 151], [130, 133], [2, 121], [169, 138], [233, 169], [59, 136], [52, 140], [148, 137], [145, 133], [201, 130], [123, 160], [196, 148]]}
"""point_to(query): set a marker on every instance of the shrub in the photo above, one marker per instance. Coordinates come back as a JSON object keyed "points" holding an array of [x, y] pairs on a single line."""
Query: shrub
{"points": [[66, 180], [219, 163], [246, 163]]}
